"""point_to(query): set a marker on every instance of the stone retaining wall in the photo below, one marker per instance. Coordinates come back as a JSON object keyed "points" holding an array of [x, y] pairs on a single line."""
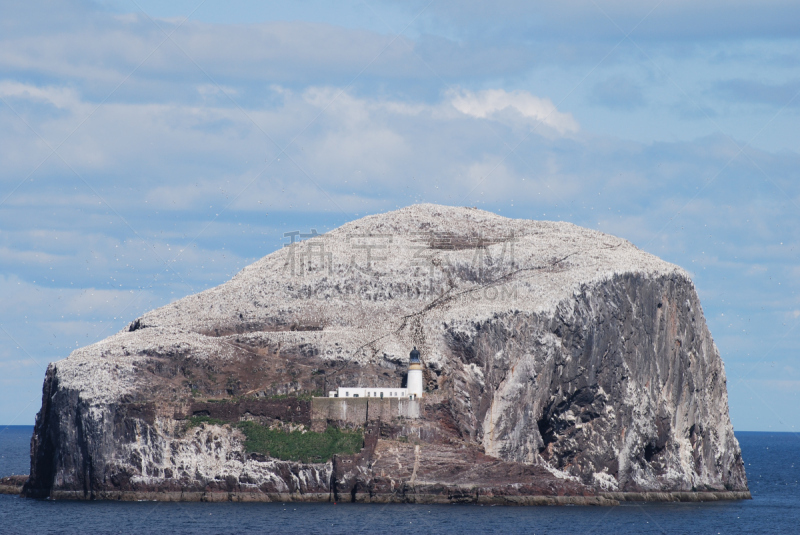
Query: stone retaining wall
{"points": [[359, 411]]}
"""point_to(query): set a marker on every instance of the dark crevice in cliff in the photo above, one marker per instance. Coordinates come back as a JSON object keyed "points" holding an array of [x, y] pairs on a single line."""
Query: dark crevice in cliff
{"points": [[651, 450], [86, 464], [44, 443], [583, 406]]}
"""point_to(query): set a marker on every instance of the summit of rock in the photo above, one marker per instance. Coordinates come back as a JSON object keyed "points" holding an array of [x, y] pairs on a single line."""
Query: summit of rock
{"points": [[413, 247], [356, 285]]}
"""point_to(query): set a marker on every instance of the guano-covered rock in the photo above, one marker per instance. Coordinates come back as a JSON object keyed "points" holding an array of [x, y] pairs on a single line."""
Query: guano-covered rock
{"points": [[561, 365]]}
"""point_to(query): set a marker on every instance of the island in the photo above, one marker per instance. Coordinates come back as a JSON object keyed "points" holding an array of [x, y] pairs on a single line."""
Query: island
{"points": [[554, 365]]}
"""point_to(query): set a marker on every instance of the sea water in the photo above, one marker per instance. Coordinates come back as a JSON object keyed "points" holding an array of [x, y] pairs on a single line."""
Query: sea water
{"points": [[772, 461]]}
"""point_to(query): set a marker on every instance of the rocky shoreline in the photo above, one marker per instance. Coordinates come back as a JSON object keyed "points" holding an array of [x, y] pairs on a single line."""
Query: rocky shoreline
{"points": [[462, 496], [12, 484]]}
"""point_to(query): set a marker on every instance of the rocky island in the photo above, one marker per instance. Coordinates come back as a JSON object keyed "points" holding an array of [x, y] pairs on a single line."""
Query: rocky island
{"points": [[559, 365]]}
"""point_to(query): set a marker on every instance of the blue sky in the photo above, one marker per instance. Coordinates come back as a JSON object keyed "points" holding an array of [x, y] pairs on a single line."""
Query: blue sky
{"points": [[150, 150]]}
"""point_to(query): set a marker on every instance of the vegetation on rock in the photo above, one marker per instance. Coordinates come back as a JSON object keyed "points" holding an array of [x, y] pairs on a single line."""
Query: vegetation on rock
{"points": [[308, 447], [195, 421]]}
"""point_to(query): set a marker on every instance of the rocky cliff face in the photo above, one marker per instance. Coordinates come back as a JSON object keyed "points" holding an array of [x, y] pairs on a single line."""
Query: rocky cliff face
{"points": [[558, 360]]}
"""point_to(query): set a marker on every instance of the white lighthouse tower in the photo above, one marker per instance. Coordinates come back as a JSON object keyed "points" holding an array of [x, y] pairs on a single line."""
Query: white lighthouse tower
{"points": [[414, 383]]}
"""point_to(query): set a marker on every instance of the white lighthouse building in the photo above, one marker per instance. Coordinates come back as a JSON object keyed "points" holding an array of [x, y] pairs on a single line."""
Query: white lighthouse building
{"points": [[414, 382], [413, 388]]}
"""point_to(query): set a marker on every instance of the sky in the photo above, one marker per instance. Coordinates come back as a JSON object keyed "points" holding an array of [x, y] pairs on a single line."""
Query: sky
{"points": [[151, 150]]}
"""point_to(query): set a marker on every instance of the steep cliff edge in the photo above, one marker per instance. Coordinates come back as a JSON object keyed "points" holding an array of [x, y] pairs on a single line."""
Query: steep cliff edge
{"points": [[560, 364]]}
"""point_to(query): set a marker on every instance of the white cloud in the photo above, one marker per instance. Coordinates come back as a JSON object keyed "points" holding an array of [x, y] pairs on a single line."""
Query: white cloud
{"points": [[756, 269], [60, 97], [211, 90], [46, 303], [777, 384], [491, 103]]}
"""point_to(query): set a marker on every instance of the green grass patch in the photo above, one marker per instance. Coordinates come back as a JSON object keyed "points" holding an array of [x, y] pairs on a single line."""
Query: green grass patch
{"points": [[302, 396], [308, 447], [195, 421]]}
